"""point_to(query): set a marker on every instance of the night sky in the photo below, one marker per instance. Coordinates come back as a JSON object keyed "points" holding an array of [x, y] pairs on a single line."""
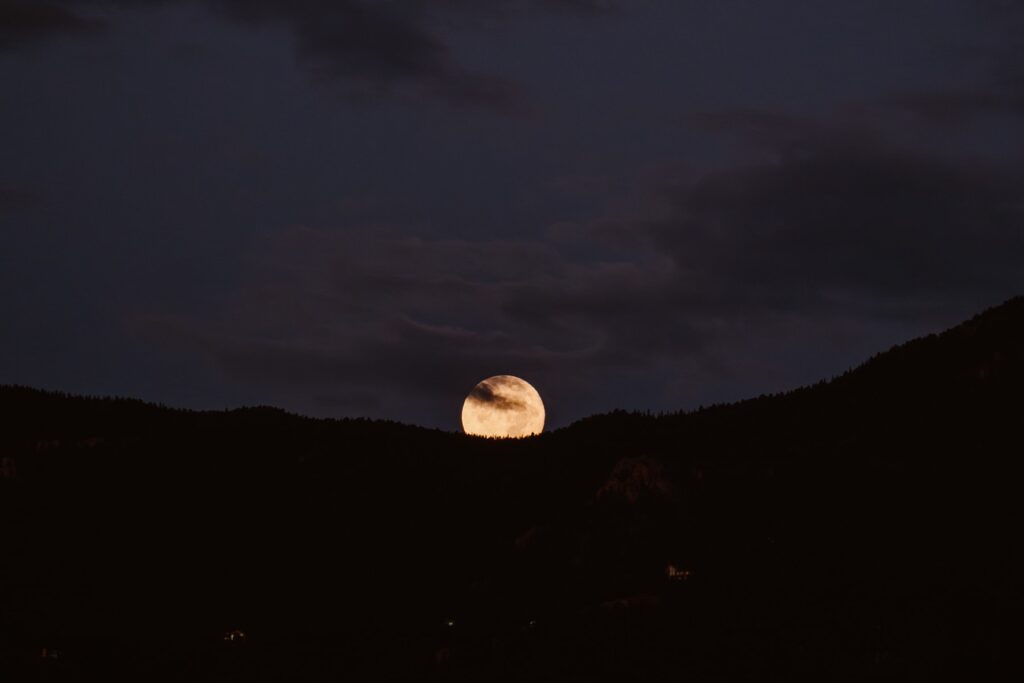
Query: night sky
{"points": [[364, 208]]}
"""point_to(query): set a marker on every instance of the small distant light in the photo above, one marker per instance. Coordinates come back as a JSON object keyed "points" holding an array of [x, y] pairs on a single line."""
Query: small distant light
{"points": [[676, 574], [450, 623]]}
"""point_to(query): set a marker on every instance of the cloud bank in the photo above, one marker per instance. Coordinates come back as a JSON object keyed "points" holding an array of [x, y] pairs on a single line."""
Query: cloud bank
{"points": [[378, 46], [835, 231]]}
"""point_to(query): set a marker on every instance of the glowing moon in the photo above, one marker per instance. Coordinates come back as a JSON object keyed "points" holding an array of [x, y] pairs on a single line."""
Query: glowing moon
{"points": [[503, 406]]}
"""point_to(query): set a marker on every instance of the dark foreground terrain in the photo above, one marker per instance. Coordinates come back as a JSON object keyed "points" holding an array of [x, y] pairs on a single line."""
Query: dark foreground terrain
{"points": [[866, 528]]}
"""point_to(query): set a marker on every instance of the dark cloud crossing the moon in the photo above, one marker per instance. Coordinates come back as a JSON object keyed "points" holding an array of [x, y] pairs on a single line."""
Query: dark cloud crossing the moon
{"points": [[485, 392]]}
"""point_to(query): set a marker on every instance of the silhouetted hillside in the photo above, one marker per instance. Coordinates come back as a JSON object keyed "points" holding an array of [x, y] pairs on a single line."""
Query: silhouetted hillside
{"points": [[865, 527]]}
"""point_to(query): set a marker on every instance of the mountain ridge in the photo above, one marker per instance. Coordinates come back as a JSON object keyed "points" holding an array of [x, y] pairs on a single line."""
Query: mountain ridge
{"points": [[1007, 319]]}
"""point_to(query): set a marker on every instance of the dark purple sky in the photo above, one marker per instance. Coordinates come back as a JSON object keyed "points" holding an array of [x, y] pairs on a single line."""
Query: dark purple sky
{"points": [[364, 207]]}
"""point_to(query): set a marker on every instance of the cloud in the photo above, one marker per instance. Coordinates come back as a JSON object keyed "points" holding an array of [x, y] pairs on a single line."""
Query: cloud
{"points": [[407, 319], [848, 214], [28, 21], [957, 108], [384, 43], [835, 234], [1002, 56], [375, 46], [14, 198], [486, 392], [758, 128]]}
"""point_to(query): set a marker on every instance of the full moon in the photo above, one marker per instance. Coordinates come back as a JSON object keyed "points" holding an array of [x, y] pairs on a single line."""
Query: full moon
{"points": [[503, 406]]}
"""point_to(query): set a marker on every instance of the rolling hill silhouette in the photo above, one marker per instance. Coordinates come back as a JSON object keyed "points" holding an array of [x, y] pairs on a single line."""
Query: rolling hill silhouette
{"points": [[865, 527]]}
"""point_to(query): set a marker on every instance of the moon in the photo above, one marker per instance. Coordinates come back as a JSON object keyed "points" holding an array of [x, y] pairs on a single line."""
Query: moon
{"points": [[501, 407]]}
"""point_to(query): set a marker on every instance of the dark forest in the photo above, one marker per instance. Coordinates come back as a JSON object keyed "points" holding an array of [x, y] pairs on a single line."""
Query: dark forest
{"points": [[864, 528]]}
